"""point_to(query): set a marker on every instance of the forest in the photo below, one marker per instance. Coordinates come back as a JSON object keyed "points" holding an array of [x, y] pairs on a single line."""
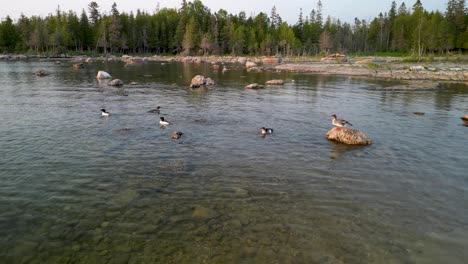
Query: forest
{"points": [[193, 29]]}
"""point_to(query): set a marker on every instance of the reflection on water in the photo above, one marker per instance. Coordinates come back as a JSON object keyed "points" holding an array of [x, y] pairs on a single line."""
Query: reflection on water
{"points": [[78, 188]]}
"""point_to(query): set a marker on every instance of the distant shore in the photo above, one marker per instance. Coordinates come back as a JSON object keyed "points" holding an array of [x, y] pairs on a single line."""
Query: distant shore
{"points": [[389, 68]]}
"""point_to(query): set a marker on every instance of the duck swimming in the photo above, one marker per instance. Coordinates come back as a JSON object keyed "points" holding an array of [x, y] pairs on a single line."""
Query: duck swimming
{"points": [[156, 110], [177, 134], [266, 130], [339, 122], [104, 112], [164, 122]]}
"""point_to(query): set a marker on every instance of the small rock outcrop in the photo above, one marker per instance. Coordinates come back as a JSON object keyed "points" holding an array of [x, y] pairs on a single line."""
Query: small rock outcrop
{"points": [[419, 113], [335, 57], [254, 86], [417, 68], [274, 82], [115, 82], [250, 64], [464, 118], [272, 60], [41, 73], [200, 80], [77, 66], [103, 75], [348, 136]]}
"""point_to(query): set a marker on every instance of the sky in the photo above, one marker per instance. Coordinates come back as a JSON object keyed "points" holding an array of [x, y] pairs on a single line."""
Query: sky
{"points": [[345, 10]]}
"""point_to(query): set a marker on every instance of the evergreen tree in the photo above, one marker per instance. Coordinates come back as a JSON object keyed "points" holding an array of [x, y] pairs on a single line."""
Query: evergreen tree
{"points": [[8, 35], [94, 14], [114, 29]]}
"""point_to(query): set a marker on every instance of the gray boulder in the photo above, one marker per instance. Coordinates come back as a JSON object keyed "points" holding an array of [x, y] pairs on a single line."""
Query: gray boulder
{"points": [[348, 136]]}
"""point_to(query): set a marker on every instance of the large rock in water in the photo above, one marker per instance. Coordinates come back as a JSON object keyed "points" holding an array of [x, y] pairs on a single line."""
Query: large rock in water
{"points": [[103, 75], [200, 80], [115, 82], [348, 136]]}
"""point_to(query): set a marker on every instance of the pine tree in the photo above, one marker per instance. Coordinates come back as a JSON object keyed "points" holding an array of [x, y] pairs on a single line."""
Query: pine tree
{"points": [[94, 14], [318, 15], [114, 28], [8, 35]]}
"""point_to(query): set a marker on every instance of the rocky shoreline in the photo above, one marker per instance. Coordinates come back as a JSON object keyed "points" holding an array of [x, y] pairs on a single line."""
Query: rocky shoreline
{"points": [[383, 68]]}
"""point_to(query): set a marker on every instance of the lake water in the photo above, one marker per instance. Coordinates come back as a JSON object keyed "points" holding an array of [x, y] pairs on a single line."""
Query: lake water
{"points": [[78, 188]]}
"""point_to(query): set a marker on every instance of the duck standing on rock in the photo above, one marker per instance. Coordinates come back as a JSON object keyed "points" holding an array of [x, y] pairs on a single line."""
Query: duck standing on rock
{"points": [[164, 122], [266, 130], [104, 112], [339, 122]]}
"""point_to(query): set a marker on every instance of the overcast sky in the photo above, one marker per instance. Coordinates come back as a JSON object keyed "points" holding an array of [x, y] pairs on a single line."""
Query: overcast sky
{"points": [[346, 10]]}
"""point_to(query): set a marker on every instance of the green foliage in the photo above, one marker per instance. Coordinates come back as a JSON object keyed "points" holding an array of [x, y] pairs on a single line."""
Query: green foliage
{"points": [[193, 29]]}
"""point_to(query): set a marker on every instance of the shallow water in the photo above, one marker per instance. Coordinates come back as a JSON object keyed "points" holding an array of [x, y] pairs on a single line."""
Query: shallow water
{"points": [[78, 188]]}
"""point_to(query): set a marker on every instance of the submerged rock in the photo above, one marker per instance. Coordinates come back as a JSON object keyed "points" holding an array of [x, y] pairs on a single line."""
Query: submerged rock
{"points": [[103, 75], [348, 136], [419, 113], [203, 213], [275, 82], [254, 86], [115, 82]]}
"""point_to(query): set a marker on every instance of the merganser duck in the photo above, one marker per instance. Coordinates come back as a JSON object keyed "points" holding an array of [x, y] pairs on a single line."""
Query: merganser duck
{"points": [[163, 122], [104, 112], [156, 110], [177, 134], [266, 130], [339, 122]]}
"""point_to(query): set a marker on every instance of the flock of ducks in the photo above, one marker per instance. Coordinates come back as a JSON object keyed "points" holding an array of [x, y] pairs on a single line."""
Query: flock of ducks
{"points": [[264, 130]]}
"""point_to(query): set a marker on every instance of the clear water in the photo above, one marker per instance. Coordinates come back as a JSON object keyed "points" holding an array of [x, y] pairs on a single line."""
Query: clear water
{"points": [[78, 188]]}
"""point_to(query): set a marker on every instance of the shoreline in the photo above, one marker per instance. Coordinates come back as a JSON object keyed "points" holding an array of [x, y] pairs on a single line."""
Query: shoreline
{"points": [[387, 68]]}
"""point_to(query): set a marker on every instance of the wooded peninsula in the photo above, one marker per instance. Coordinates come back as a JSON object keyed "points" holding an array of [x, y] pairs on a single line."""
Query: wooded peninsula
{"points": [[193, 29]]}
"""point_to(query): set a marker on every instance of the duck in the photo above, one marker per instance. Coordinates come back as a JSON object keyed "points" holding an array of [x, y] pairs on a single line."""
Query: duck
{"points": [[104, 112], [177, 134], [339, 122], [164, 122], [266, 130], [156, 110]]}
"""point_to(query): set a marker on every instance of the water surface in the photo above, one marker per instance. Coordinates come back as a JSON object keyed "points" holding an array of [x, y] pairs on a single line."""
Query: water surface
{"points": [[78, 188]]}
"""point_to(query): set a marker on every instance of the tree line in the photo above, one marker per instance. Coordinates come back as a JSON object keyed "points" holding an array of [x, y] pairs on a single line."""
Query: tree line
{"points": [[193, 29]]}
